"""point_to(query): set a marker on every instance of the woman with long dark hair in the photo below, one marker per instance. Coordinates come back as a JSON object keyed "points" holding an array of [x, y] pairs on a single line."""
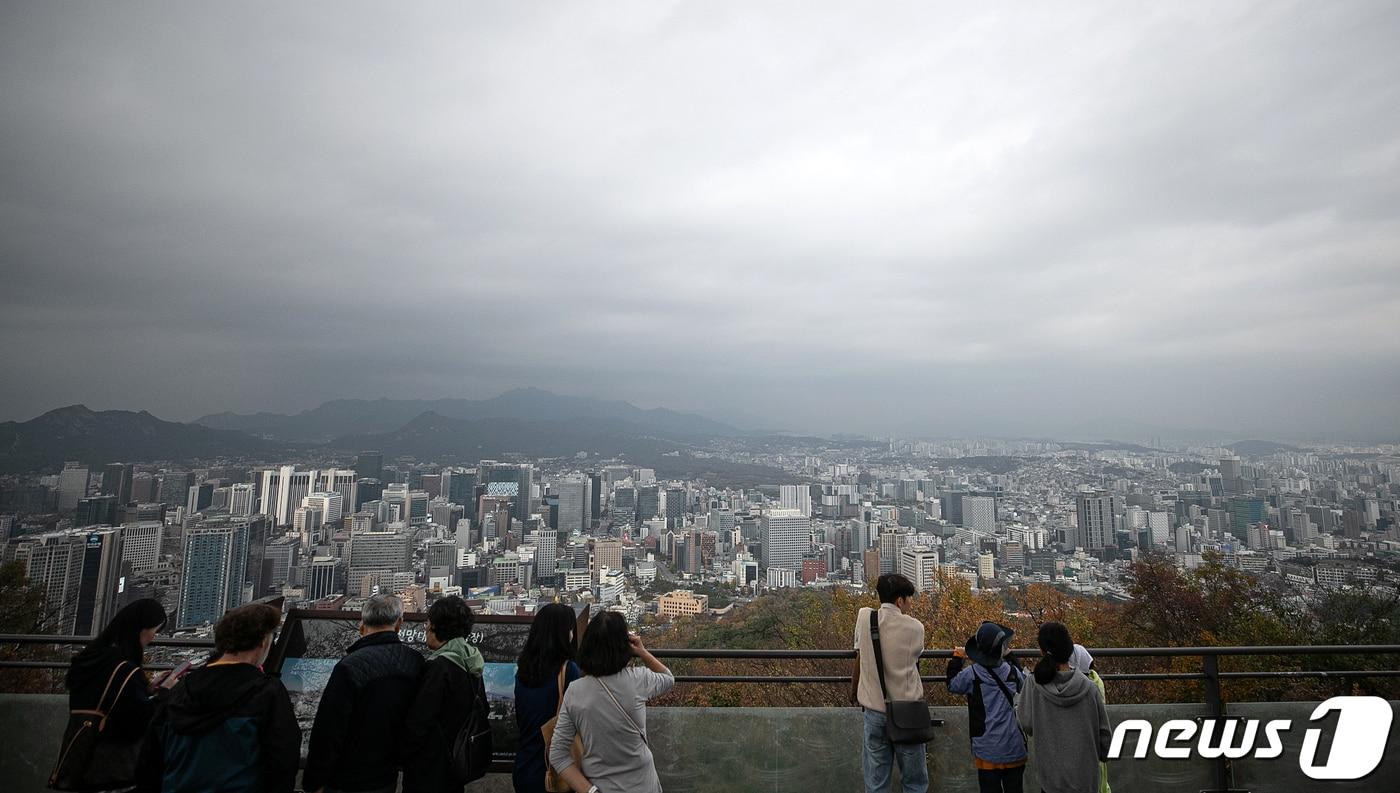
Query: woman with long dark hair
{"points": [[548, 653], [608, 709], [1065, 717], [111, 667]]}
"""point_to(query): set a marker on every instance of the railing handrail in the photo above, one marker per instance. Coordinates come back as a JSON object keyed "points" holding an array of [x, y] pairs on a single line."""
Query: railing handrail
{"points": [[721, 654]]}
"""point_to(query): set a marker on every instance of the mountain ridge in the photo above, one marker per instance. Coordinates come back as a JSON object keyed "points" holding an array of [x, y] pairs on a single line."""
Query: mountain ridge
{"points": [[336, 418]]}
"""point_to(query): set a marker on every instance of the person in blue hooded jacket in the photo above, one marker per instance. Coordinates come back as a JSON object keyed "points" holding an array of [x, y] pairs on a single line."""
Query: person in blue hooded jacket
{"points": [[991, 684]]}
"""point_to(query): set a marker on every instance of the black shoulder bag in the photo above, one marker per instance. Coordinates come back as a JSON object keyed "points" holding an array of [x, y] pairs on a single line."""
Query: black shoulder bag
{"points": [[472, 751], [906, 720]]}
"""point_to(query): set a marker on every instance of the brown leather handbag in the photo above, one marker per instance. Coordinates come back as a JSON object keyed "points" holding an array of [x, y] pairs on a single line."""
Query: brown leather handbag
{"points": [[553, 782]]}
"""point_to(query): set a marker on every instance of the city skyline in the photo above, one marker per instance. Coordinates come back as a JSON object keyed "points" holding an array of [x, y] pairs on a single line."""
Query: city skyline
{"points": [[908, 221]]}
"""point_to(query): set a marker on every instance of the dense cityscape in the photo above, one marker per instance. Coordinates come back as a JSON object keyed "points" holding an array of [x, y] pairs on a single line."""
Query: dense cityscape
{"points": [[510, 536]]}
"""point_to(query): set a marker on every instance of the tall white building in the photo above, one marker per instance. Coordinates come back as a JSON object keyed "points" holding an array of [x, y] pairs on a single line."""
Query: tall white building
{"points": [[980, 513], [785, 535], [331, 504], [919, 564], [242, 499], [798, 497], [282, 491], [72, 486], [1159, 525], [141, 543]]}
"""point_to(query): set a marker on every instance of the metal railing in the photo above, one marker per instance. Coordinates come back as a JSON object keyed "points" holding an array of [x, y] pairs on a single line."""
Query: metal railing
{"points": [[1210, 674]]}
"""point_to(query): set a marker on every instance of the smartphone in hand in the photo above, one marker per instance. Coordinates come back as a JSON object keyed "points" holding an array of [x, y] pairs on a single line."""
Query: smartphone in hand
{"points": [[175, 674]]}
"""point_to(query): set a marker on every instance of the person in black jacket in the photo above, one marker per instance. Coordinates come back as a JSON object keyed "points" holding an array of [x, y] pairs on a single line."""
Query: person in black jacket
{"points": [[226, 726], [451, 683], [355, 740], [109, 661]]}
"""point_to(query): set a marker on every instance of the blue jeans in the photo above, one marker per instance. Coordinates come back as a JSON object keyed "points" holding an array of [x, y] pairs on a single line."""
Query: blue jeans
{"points": [[881, 755]]}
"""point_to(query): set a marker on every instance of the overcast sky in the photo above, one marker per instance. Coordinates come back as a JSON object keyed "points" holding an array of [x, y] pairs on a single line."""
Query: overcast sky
{"points": [[890, 217]]}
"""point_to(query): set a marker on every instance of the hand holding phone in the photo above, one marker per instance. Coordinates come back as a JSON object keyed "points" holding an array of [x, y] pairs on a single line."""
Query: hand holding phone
{"points": [[175, 674]]}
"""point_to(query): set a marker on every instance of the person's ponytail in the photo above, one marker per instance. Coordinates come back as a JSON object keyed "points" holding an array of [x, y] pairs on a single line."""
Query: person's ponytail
{"points": [[1056, 647]]}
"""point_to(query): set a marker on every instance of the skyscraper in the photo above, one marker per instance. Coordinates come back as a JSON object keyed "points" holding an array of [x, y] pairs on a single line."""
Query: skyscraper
{"points": [[79, 572], [95, 511], [377, 556], [242, 499], [1244, 512], [979, 513], [116, 481], [785, 536], [919, 564], [676, 505], [175, 488], [1094, 511], [573, 505], [141, 544], [798, 497], [214, 572], [370, 465], [72, 486]]}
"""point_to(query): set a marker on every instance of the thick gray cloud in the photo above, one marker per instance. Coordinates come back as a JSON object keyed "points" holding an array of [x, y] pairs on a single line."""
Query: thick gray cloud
{"points": [[824, 217]]}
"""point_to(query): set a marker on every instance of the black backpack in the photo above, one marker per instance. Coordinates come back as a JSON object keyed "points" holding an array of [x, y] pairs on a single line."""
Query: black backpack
{"points": [[471, 751]]}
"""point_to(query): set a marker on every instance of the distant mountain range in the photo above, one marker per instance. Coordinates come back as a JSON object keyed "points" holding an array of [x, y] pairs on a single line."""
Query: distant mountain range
{"points": [[1252, 448], [343, 417], [97, 437], [528, 422]]}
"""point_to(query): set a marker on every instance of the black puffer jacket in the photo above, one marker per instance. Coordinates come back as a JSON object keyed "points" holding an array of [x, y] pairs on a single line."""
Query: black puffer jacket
{"points": [[359, 723]]}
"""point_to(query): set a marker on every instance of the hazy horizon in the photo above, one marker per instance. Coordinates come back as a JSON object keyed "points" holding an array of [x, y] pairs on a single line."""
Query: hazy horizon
{"points": [[1087, 222]]}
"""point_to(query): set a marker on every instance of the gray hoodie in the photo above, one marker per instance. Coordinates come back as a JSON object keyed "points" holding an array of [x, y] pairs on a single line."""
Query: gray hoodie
{"points": [[1069, 730]]}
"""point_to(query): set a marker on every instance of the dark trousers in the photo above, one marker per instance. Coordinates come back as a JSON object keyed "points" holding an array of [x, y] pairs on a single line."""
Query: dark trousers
{"points": [[1002, 780]]}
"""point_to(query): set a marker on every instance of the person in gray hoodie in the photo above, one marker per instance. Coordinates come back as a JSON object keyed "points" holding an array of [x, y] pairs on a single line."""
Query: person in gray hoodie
{"points": [[1065, 717]]}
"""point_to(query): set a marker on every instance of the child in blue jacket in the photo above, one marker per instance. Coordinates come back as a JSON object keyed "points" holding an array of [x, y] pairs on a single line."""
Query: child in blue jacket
{"points": [[991, 685]]}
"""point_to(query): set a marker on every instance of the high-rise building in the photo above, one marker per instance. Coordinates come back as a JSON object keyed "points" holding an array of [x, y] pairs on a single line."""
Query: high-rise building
{"points": [[676, 503], [1013, 556], [282, 491], [573, 503], [338, 480], [892, 542], [785, 536], [116, 481], [79, 572], [919, 563], [648, 502], [95, 511], [595, 498], [199, 497], [1094, 511], [242, 499], [175, 488], [330, 503], [141, 544], [607, 555], [1159, 527], [986, 567], [459, 484], [370, 465], [522, 476], [979, 513], [72, 486], [214, 574], [1244, 512], [325, 577], [377, 553], [798, 497]]}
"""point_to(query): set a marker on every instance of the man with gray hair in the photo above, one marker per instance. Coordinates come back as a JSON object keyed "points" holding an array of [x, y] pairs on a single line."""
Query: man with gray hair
{"points": [[354, 740]]}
